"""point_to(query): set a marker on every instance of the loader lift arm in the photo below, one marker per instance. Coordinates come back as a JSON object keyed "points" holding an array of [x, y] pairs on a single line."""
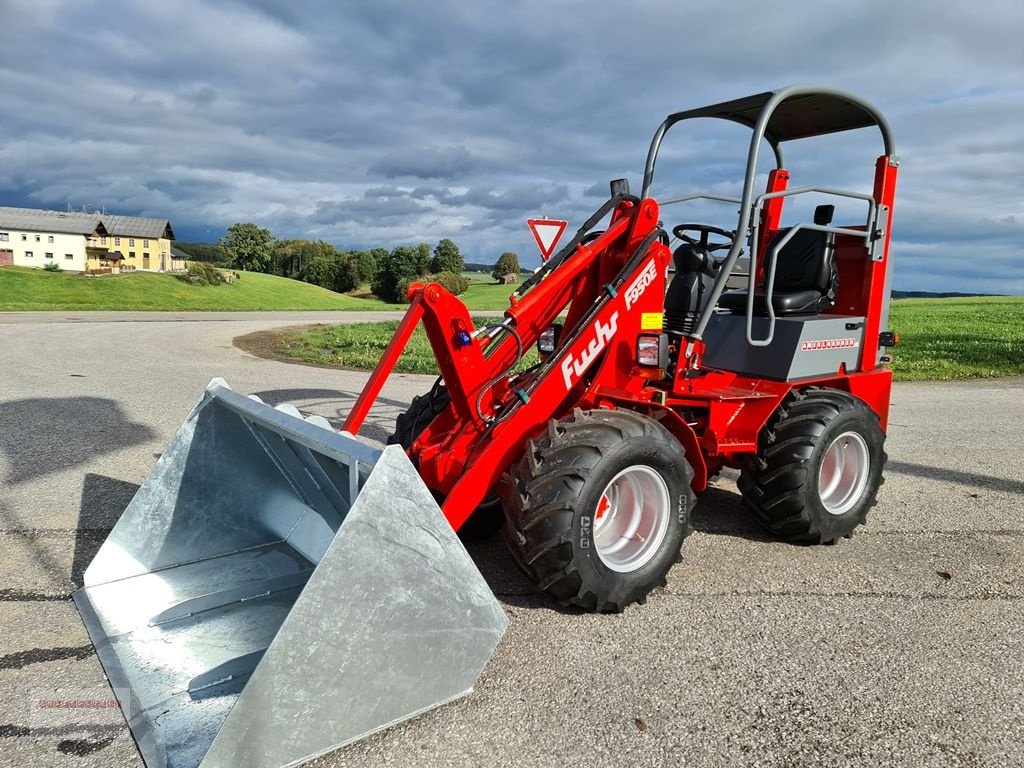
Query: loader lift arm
{"points": [[591, 281]]}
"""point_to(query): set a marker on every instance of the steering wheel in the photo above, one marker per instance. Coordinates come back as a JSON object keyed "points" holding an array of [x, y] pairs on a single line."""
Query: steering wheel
{"points": [[704, 230]]}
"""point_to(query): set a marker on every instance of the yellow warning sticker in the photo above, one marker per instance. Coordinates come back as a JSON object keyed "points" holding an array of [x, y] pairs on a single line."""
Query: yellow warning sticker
{"points": [[650, 321]]}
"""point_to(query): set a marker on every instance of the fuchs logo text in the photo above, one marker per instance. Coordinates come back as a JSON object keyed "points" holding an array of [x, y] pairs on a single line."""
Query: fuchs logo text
{"points": [[643, 280], [815, 346], [572, 367]]}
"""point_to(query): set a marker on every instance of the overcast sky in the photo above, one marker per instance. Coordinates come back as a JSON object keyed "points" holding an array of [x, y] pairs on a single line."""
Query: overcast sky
{"points": [[388, 122]]}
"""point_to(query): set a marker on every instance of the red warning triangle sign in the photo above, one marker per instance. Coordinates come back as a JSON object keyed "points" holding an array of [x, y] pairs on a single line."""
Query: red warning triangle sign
{"points": [[546, 232]]}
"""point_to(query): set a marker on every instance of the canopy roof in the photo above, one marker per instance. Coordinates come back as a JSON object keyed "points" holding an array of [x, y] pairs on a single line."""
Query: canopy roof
{"points": [[797, 117]]}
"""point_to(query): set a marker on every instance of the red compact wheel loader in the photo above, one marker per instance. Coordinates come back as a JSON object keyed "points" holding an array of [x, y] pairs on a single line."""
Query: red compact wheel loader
{"points": [[277, 588]]}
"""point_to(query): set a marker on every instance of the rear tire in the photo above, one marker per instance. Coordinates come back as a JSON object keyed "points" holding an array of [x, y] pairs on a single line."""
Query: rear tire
{"points": [[818, 467], [597, 508], [486, 519]]}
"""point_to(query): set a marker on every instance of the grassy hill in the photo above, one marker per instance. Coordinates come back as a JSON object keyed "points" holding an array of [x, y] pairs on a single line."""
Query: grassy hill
{"points": [[35, 289], [22, 288], [485, 294]]}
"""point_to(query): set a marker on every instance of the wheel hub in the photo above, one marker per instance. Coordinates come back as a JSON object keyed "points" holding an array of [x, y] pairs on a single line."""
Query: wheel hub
{"points": [[631, 519], [844, 473]]}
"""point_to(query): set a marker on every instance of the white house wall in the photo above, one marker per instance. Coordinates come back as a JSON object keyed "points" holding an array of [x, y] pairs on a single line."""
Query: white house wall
{"points": [[39, 244]]}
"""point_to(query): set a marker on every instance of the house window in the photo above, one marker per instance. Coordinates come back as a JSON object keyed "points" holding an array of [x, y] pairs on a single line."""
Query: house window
{"points": [[48, 255], [131, 254], [117, 241], [69, 257], [145, 255], [37, 238], [24, 236], [131, 243], [145, 243], [103, 240], [49, 238], [28, 254], [4, 237]]}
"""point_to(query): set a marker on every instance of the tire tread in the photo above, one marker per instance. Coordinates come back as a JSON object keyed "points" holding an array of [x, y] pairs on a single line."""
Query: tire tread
{"points": [[541, 493], [775, 485]]}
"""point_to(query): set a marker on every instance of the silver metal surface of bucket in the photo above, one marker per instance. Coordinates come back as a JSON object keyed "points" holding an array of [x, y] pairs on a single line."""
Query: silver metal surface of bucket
{"points": [[277, 589]]}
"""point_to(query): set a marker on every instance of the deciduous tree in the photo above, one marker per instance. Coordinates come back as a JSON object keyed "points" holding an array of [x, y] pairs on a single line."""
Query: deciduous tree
{"points": [[403, 265], [508, 264], [248, 246], [447, 258], [422, 258]]}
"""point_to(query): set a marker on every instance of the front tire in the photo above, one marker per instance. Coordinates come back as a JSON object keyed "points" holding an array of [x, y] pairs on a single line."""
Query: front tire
{"points": [[818, 468], [597, 508]]}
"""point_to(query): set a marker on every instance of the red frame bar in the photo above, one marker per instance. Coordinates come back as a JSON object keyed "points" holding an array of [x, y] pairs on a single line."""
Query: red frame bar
{"points": [[383, 369]]}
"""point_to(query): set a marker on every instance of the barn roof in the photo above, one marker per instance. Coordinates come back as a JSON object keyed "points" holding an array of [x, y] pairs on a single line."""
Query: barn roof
{"points": [[137, 226], [33, 220], [79, 223]]}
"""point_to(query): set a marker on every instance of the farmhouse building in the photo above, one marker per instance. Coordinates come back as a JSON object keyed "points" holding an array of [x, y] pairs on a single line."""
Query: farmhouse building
{"points": [[85, 242]]}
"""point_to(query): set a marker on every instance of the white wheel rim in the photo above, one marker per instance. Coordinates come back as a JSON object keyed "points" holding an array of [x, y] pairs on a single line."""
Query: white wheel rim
{"points": [[631, 520], [844, 473]]}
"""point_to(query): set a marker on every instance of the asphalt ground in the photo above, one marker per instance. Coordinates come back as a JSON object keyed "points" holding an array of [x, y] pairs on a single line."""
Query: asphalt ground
{"points": [[903, 646]]}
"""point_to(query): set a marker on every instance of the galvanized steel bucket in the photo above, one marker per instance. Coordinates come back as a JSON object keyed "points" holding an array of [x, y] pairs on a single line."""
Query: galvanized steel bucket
{"points": [[277, 589]]}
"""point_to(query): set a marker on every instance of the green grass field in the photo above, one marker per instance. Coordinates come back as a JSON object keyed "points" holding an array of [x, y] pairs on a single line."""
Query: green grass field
{"points": [[971, 338], [486, 295], [35, 289], [939, 339], [361, 345]]}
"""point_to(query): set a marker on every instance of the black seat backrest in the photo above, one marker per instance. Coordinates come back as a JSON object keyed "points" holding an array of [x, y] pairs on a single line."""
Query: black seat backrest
{"points": [[808, 261], [688, 292]]}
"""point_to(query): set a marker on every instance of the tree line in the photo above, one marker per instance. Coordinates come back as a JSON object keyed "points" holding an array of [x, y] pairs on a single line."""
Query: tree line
{"points": [[248, 246]]}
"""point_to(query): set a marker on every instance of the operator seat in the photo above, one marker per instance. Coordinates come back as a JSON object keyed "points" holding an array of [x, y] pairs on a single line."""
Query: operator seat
{"points": [[806, 278], [690, 288]]}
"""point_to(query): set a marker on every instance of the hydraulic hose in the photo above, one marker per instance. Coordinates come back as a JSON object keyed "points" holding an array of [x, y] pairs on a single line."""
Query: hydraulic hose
{"points": [[551, 264], [490, 421]]}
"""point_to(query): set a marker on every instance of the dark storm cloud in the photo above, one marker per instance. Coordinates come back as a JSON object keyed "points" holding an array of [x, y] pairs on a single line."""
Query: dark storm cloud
{"points": [[449, 163], [378, 123], [366, 211]]}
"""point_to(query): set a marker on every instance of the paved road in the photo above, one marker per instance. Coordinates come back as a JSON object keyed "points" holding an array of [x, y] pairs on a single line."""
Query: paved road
{"points": [[901, 647]]}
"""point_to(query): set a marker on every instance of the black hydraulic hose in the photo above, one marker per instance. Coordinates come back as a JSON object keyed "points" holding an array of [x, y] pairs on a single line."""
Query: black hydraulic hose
{"points": [[551, 264], [549, 267], [490, 421], [546, 366]]}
